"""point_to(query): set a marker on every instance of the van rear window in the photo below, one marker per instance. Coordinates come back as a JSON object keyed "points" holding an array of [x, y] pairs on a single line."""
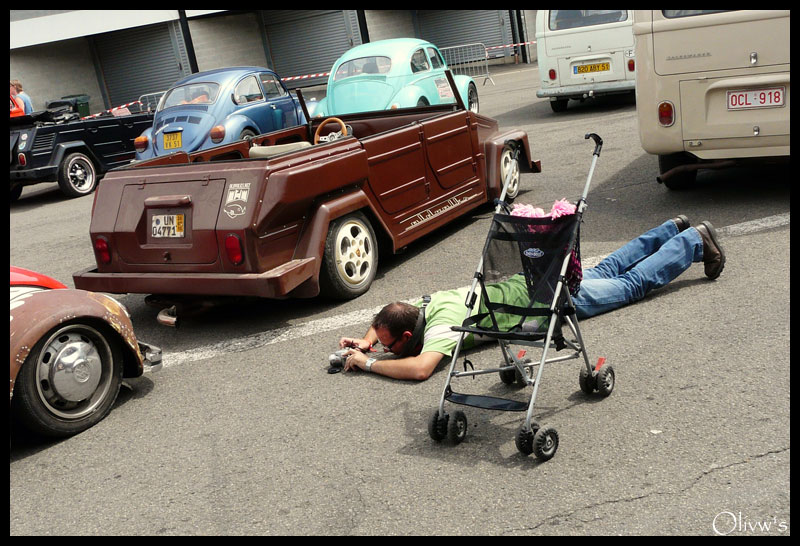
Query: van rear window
{"points": [[561, 19]]}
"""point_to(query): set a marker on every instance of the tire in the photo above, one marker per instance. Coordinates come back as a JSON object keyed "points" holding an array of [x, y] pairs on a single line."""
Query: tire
{"points": [[16, 191], [437, 427], [473, 104], [508, 376], [606, 380], [507, 162], [457, 427], [351, 258], [524, 438], [247, 133], [680, 181], [77, 175], [587, 381], [545, 443], [559, 105], [69, 381]]}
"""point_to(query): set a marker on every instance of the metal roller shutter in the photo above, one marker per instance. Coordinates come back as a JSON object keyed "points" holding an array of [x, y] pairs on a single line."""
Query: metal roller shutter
{"points": [[141, 60], [309, 41], [447, 28]]}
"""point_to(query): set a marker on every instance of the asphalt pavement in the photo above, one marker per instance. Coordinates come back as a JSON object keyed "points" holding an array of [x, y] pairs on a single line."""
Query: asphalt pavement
{"points": [[244, 433]]}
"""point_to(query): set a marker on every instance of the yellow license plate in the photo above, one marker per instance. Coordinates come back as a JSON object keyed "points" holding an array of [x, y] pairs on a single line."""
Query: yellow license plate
{"points": [[167, 225], [588, 68], [172, 140]]}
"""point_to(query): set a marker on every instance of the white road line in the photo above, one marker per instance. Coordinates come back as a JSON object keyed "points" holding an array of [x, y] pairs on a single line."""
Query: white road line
{"points": [[361, 318]]}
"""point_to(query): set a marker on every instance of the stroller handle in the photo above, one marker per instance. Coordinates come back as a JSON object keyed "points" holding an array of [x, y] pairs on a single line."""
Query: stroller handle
{"points": [[597, 141]]}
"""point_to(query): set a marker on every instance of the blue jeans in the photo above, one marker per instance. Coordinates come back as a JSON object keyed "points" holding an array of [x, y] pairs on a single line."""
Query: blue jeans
{"points": [[650, 261]]}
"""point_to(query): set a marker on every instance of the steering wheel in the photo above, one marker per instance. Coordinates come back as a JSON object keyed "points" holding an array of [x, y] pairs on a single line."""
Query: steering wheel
{"points": [[342, 132]]}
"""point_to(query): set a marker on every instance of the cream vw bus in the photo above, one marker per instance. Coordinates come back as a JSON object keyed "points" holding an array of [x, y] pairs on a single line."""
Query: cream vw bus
{"points": [[584, 53], [712, 88]]}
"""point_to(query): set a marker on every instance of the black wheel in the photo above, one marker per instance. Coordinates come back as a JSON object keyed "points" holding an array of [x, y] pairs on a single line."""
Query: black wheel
{"points": [[545, 443], [351, 257], [457, 427], [69, 381], [559, 105], [605, 380], [679, 181], [509, 164], [437, 426], [587, 381], [472, 98], [77, 175], [508, 376], [524, 438], [16, 191]]}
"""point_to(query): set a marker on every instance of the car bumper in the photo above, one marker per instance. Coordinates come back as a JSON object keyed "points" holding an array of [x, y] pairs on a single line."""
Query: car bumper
{"points": [[35, 175], [275, 283], [587, 90], [152, 357]]}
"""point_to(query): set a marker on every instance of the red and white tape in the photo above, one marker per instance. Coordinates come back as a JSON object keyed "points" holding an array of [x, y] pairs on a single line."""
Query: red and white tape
{"points": [[292, 78], [114, 109], [511, 45]]}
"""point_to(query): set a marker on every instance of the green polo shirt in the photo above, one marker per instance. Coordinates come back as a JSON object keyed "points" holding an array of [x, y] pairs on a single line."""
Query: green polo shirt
{"points": [[448, 308]]}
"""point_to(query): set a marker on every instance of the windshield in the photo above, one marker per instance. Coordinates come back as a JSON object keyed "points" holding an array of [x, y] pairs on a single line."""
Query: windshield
{"points": [[192, 93], [364, 65]]}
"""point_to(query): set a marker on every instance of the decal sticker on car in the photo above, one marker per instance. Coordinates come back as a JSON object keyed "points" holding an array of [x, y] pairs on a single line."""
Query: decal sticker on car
{"points": [[236, 199]]}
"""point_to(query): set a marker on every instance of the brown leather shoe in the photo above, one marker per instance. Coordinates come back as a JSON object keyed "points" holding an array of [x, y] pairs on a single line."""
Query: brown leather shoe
{"points": [[682, 222], [713, 255]]}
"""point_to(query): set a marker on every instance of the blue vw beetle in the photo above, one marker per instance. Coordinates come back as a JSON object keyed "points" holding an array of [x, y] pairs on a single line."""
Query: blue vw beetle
{"points": [[396, 73], [218, 107]]}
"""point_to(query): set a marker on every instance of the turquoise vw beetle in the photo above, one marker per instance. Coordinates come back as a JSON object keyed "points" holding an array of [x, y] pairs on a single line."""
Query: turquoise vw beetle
{"points": [[387, 74]]}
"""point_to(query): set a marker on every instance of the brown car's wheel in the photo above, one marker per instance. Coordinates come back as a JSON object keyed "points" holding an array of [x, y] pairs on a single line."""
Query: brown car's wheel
{"points": [[69, 381], [77, 175], [351, 257], [508, 163]]}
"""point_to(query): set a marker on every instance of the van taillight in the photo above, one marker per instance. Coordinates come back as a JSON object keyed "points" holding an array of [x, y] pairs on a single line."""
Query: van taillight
{"points": [[233, 248], [631, 65], [102, 249], [140, 143], [666, 113], [22, 160], [217, 133], [552, 74]]}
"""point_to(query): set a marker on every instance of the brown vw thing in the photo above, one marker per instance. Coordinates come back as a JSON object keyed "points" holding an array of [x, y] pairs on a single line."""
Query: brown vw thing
{"points": [[282, 215]]}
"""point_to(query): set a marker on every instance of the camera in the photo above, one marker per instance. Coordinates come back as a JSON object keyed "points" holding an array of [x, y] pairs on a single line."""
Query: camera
{"points": [[338, 358]]}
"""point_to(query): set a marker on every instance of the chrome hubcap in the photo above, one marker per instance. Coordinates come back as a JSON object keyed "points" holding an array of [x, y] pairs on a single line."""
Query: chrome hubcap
{"points": [[73, 371], [354, 253]]}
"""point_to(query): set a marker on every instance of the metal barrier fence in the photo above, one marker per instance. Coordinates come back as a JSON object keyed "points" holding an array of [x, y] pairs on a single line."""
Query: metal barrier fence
{"points": [[468, 59], [150, 100]]}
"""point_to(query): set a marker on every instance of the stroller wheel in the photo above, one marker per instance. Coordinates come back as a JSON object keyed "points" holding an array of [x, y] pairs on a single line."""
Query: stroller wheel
{"points": [[587, 381], [605, 380], [524, 438], [457, 428], [508, 376], [437, 426], [545, 443]]}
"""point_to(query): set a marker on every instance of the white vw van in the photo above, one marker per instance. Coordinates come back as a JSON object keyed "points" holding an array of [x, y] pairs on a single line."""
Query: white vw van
{"points": [[584, 53], [712, 88]]}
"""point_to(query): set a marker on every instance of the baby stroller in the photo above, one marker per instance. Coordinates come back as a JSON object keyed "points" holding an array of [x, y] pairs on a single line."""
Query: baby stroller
{"points": [[539, 260]]}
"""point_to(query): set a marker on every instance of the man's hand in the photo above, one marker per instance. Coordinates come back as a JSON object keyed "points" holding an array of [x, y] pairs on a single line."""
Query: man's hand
{"points": [[355, 359], [355, 343]]}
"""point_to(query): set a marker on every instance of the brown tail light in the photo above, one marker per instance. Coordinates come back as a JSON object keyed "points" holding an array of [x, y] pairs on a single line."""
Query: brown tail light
{"points": [[217, 133]]}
